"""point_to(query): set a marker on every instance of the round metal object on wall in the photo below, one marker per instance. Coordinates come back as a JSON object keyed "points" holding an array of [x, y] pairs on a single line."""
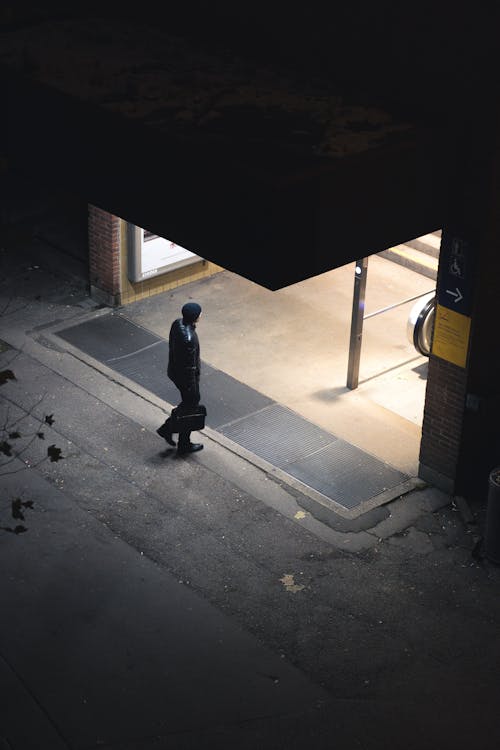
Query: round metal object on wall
{"points": [[420, 324]]}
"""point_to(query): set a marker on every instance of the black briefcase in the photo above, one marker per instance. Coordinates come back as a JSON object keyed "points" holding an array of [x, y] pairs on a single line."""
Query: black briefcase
{"points": [[185, 418]]}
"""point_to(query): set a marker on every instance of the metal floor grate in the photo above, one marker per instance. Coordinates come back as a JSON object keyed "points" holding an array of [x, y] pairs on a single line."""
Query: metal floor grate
{"points": [[278, 435], [108, 337], [227, 399], [346, 474]]}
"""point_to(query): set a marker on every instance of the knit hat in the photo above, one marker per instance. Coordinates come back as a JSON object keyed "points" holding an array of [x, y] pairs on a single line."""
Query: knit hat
{"points": [[191, 311]]}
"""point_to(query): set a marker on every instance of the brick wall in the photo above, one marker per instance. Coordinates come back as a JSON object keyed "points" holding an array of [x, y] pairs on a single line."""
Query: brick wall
{"points": [[109, 282], [443, 421], [104, 255]]}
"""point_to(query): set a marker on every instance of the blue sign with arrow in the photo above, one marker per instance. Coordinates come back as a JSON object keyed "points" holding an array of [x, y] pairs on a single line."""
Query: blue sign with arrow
{"points": [[456, 274]]}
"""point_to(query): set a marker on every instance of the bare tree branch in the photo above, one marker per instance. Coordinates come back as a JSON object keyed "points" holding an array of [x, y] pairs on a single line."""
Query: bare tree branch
{"points": [[5, 311], [10, 433], [23, 468], [7, 427]]}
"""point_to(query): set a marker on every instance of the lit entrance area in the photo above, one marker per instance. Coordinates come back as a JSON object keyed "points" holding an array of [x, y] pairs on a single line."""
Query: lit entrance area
{"points": [[274, 374], [293, 345], [420, 256]]}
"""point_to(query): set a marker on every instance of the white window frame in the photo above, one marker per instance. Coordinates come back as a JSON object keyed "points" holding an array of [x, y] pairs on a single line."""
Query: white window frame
{"points": [[154, 256]]}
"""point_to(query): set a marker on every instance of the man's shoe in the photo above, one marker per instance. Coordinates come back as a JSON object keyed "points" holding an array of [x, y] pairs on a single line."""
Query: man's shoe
{"points": [[165, 433], [190, 448]]}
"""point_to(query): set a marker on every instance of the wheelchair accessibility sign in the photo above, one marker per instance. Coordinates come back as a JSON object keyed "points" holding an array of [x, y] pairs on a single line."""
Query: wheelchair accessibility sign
{"points": [[457, 259], [454, 300], [455, 284]]}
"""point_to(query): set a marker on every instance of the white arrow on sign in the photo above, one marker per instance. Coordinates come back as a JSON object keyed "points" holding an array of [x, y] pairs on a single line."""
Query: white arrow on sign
{"points": [[457, 294]]}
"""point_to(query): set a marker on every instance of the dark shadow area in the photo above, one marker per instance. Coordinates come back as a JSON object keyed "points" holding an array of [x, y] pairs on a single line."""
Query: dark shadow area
{"points": [[50, 219], [422, 370], [389, 369], [327, 395]]}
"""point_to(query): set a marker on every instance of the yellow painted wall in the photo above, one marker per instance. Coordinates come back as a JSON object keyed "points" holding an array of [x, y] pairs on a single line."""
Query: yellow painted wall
{"points": [[132, 291]]}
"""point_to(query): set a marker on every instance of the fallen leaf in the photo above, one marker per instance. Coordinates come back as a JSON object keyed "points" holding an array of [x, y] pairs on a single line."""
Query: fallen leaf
{"points": [[289, 583], [16, 509], [5, 448], [15, 530], [6, 375], [54, 453]]}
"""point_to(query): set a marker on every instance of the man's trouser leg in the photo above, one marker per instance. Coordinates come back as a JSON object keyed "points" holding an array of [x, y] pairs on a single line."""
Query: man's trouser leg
{"points": [[185, 437], [184, 442]]}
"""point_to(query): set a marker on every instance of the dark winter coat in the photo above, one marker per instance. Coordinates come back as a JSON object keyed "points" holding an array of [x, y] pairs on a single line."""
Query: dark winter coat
{"points": [[184, 359]]}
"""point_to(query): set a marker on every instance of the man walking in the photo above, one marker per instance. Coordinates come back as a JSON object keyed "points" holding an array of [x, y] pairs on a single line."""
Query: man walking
{"points": [[184, 371]]}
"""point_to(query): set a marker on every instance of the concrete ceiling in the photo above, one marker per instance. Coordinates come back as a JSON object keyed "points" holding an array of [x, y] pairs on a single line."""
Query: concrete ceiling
{"points": [[279, 142]]}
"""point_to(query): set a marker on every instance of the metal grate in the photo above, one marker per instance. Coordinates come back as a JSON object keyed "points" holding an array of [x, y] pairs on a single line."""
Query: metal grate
{"points": [[149, 369], [278, 435], [109, 337], [227, 399], [346, 474]]}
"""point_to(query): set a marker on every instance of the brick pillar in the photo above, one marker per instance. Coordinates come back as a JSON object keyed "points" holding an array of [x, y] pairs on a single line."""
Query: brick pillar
{"points": [[104, 256], [442, 424], [461, 426], [480, 445]]}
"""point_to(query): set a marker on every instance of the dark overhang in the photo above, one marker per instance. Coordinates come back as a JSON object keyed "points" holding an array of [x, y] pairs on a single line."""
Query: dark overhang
{"points": [[273, 175]]}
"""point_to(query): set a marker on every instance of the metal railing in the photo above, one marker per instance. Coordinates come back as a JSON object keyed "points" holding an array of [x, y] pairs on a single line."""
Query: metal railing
{"points": [[358, 318], [397, 304]]}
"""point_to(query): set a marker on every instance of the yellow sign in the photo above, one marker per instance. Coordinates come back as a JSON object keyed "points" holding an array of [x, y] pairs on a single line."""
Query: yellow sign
{"points": [[451, 336]]}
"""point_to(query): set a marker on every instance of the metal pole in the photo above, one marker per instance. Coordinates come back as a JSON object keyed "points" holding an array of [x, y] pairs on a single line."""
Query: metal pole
{"points": [[358, 309]]}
